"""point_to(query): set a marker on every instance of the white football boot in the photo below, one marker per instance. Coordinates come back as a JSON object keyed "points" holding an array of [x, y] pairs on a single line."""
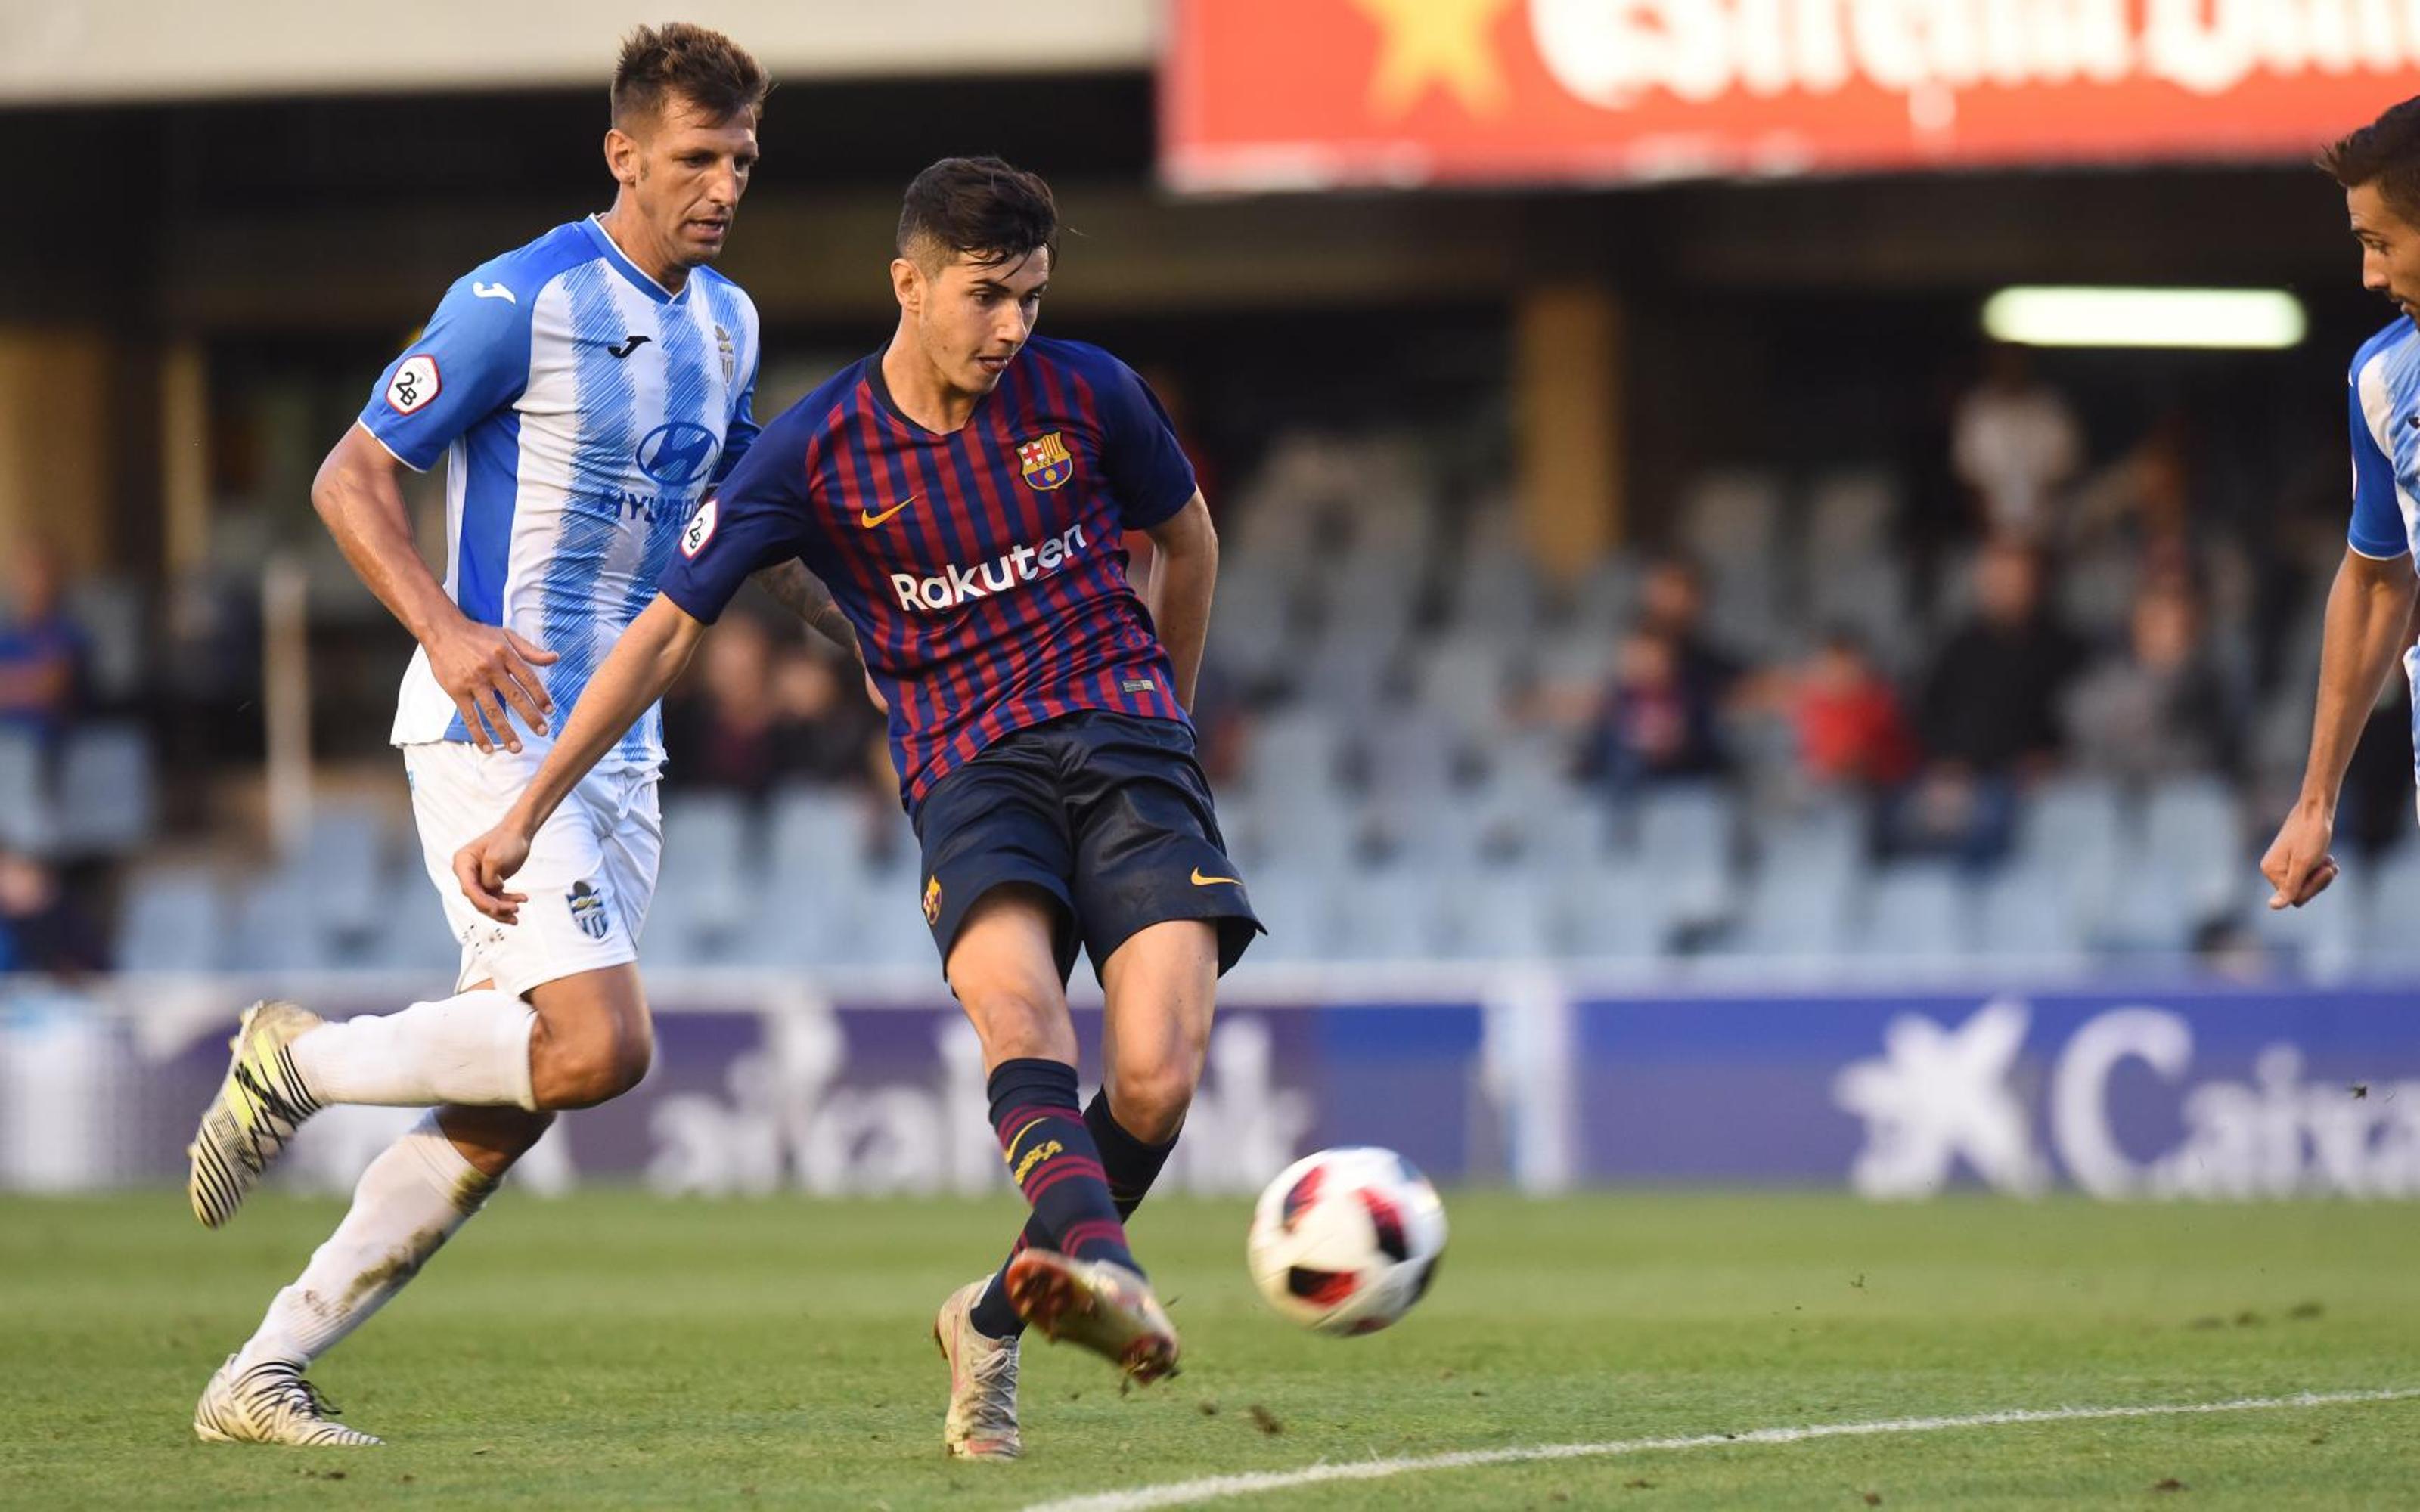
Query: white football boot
{"points": [[271, 1403], [259, 1107], [982, 1420]]}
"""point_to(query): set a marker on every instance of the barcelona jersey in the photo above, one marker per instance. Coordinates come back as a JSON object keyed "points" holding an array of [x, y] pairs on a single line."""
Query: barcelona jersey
{"points": [[983, 568]]}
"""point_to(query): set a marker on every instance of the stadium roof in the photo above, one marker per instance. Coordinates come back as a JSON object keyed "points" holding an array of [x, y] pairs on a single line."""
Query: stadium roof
{"points": [[96, 50]]}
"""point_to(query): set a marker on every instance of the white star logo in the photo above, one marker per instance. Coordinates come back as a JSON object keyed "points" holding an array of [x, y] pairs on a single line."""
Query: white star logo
{"points": [[1937, 1094]]}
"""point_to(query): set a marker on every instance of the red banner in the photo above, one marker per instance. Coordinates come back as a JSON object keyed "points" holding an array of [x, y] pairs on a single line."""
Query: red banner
{"points": [[1306, 94]]}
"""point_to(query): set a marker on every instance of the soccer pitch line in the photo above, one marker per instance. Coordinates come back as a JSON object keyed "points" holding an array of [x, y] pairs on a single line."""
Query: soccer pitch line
{"points": [[1221, 1488]]}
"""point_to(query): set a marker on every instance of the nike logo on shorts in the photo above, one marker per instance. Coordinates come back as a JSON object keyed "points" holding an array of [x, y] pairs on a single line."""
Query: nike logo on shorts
{"points": [[1201, 881]]}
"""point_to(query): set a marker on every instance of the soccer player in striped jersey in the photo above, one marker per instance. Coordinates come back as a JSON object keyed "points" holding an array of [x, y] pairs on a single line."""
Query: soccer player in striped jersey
{"points": [[2370, 608], [587, 388], [963, 493]]}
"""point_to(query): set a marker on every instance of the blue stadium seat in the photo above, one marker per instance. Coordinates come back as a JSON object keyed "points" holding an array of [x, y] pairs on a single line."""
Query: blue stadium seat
{"points": [[173, 918], [1389, 913], [2027, 913], [2194, 827], [108, 801], [1917, 914], [27, 822]]}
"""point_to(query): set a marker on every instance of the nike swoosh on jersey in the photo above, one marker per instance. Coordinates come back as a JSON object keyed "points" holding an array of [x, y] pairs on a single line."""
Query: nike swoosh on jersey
{"points": [[1201, 881], [869, 518], [494, 291]]}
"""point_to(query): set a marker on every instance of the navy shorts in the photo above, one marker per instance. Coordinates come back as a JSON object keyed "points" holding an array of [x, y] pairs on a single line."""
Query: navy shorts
{"points": [[1107, 813]]}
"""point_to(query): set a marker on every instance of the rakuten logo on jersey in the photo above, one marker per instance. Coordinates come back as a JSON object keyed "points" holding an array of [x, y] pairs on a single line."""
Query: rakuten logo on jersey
{"points": [[964, 585]]}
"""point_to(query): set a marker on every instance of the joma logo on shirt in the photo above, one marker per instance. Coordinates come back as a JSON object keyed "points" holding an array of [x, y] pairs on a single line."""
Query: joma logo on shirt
{"points": [[964, 585]]}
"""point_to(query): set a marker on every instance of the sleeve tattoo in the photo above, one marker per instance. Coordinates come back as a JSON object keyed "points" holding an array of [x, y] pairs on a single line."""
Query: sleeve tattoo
{"points": [[804, 594]]}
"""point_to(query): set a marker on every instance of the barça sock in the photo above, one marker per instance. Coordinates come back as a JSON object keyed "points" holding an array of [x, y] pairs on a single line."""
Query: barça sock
{"points": [[1130, 1166], [1053, 1160], [410, 1203], [472, 1049]]}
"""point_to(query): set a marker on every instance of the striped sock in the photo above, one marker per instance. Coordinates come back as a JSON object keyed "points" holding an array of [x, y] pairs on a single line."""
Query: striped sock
{"points": [[1052, 1159], [1130, 1166]]}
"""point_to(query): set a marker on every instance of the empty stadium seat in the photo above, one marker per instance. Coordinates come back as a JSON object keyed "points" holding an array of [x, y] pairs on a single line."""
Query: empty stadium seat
{"points": [[173, 918], [107, 799], [1915, 912], [26, 820]]}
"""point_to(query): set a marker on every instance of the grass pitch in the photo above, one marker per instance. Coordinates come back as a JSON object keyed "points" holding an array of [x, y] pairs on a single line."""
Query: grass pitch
{"points": [[617, 1350]]}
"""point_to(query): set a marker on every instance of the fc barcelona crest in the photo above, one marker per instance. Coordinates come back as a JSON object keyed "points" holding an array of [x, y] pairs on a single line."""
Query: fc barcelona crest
{"points": [[1045, 461]]}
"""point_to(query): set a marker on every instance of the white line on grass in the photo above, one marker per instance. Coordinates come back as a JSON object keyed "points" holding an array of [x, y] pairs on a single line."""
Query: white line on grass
{"points": [[1219, 1487]]}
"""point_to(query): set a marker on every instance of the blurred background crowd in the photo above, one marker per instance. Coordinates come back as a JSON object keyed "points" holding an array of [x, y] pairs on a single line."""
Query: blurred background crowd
{"points": [[1676, 572]]}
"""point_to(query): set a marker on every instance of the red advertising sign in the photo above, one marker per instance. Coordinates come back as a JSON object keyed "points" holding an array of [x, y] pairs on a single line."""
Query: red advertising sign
{"points": [[1303, 94]]}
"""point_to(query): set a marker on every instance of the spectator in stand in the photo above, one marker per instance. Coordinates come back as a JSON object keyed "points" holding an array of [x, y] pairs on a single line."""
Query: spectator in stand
{"points": [[40, 928], [41, 650], [2014, 440], [1988, 715], [1852, 731], [2161, 707], [824, 731], [1651, 724], [719, 727], [1673, 605]]}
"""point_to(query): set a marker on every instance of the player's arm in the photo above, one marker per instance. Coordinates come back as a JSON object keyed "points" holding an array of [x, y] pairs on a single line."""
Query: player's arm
{"points": [[2369, 627], [1183, 575], [804, 594], [644, 662], [483, 667], [2369, 620]]}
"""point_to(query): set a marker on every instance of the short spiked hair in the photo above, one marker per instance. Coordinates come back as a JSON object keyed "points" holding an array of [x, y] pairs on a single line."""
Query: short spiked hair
{"points": [[704, 67]]}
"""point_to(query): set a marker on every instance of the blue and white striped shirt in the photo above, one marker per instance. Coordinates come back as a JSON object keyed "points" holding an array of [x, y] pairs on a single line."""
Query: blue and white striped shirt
{"points": [[583, 413]]}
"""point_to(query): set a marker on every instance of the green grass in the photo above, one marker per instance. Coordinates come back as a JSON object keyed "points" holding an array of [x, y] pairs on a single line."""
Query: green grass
{"points": [[613, 1350]]}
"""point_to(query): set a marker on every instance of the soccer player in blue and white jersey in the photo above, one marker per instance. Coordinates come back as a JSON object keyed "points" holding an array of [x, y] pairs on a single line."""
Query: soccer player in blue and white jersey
{"points": [[585, 390], [2370, 619]]}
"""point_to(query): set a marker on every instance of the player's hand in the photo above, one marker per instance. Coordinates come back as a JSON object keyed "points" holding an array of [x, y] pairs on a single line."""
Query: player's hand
{"points": [[875, 694], [485, 669], [483, 867], [2298, 864]]}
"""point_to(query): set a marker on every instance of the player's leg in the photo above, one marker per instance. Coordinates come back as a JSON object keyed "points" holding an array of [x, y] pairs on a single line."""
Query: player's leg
{"points": [[484, 1046], [1160, 986], [1086, 1288], [589, 1038]]}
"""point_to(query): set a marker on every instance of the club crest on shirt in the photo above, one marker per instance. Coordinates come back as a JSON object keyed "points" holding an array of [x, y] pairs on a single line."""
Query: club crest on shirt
{"points": [[730, 357], [1045, 461], [587, 907]]}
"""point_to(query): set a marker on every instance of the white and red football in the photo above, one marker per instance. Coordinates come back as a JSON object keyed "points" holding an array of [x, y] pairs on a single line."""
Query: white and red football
{"points": [[1347, 1239]]}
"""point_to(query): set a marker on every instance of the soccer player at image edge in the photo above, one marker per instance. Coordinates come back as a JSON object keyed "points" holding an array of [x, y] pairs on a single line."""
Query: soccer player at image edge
{"points": [[2369, 625]]}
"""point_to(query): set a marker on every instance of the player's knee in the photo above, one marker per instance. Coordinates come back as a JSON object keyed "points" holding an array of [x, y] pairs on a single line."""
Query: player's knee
{"points": [[1023, 1023], [1150, 1102], [584, 1068]]}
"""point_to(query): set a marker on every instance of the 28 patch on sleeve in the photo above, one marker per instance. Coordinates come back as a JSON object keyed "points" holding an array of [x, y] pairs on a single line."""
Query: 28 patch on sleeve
{"points": [[700, 530], [415, 384]]}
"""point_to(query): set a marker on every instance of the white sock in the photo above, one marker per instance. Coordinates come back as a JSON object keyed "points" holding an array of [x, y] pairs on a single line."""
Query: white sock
{"points": [[472, 1049], [409, 1201]]}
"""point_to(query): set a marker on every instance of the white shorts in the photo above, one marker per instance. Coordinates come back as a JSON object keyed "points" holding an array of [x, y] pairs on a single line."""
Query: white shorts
{"points": [[589, 878]]}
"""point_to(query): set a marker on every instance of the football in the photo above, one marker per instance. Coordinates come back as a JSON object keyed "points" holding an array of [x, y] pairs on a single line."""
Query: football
{"points": [[1346, 1241]]}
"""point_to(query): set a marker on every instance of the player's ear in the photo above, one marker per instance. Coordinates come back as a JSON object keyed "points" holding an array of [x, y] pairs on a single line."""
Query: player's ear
{"points": [[621, 156], [907, 283]]}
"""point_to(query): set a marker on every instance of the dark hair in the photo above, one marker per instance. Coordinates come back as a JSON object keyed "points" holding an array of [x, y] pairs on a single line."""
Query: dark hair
{"points": [[704, 67], [979, 208], [2386, 153]]}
